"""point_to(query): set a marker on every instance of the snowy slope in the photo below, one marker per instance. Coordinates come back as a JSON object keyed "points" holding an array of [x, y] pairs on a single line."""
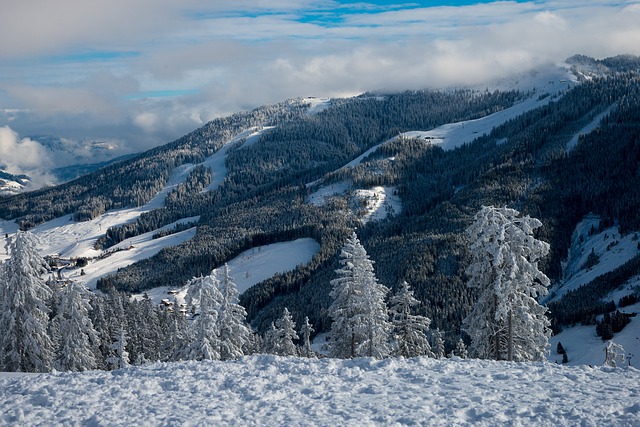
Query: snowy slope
{"points": [[582, 344], [593, 125], [275, 391], [612, 248], [255, 265], [545, 85]]}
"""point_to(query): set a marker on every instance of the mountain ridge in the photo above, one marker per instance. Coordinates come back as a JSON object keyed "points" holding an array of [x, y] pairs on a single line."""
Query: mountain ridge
{"points": [[521, 161]]}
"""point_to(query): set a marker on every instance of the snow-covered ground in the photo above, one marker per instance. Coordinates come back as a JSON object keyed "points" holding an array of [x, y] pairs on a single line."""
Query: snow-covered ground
{"points": [[377, 203], [276, 391], [582, 344], [371, 204], [316, 104], [545, 85], [610, 246], [255, 265]]}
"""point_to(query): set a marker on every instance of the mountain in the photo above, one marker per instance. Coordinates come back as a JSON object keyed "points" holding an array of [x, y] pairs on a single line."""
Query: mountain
{"points": [[407, 170], [12, 184]]}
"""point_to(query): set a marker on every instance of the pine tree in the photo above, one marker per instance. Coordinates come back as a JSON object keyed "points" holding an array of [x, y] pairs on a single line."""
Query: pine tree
{"points": [[101, 324], [461, 350], [120, 356], [615, 355], [25, 345], [279, 338], [408, 328], [438, 344], [360, 320], [176, 335], [306, 332], [234, 332], [204, 292], [79, 341], [507, 322], [270, 340]]}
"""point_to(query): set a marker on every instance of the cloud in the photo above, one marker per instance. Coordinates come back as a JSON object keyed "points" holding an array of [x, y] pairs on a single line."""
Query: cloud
{"points": [[23, 156], [100, 69]]}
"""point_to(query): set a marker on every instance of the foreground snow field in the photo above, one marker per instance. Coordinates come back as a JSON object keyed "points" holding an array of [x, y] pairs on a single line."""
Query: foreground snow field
{"points": [[276, 391]]}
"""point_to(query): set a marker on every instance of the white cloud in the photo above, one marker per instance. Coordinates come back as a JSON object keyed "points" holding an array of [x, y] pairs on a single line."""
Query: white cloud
{"points": [[23, 156], [239, 54]]}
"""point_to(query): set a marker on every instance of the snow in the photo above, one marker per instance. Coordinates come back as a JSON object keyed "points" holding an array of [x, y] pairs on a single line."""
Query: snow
{"points": [[377, 203], [371, 204], [217, 161], [595, 123], [546, 84], [258, 264], [582, 344], [254, 266], [453, 135], [128, 252], [272, 390], [316, 104], [612, 255], [323, 194]]}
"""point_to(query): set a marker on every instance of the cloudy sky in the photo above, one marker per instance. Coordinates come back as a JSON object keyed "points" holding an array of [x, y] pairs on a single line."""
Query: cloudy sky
{"points": [[144, 72]]}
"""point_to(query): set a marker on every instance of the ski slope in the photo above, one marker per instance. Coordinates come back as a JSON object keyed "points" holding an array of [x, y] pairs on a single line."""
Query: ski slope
{"points": [[253, 266], [264, 390]]}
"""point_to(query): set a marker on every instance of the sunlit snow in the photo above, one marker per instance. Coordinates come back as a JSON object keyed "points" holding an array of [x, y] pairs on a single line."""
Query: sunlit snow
{"points": [[254, 266], [276, 391]]}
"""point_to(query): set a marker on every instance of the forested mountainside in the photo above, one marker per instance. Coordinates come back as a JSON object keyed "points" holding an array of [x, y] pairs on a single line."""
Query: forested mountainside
{"points": [[526, 163]]}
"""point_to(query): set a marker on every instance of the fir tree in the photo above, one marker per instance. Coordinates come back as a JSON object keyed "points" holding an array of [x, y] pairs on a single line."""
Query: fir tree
{"points": [[507, 322], [306, 332], [78, 340], [25, 345], [204, 292], [461, 350], [282, 335], [438, 344], [234, 333], [408, 328], [615, 355], [120, 356], [360, 320], [176, 335]]}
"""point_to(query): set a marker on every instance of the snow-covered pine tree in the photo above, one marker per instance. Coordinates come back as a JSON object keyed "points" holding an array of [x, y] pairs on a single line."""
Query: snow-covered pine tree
{"points": [[408, 328], [306, 330], [204, 292], [360, 319], [270, 340], [286, 328], [234, 332], [25, 345], [78, 346], [120, 356], [101, 324], [438, 344], [461, 350], [615, 355], [176, 335], [507, 322]]}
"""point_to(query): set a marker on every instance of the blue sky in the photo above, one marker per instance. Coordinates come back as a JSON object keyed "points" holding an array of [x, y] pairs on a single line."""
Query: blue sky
{"points": [[144, 72]]}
